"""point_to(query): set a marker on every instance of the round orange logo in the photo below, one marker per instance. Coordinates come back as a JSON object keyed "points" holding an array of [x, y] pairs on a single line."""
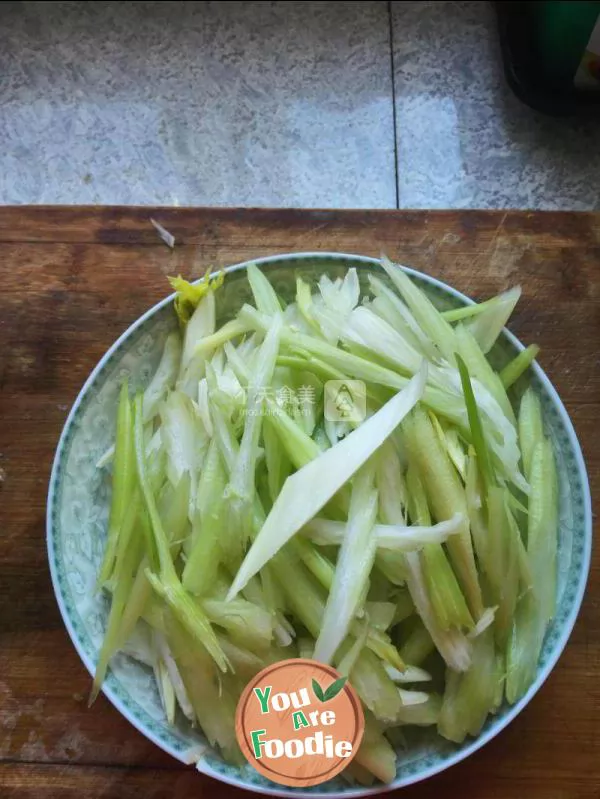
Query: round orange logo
{"points": [[299, 723]]}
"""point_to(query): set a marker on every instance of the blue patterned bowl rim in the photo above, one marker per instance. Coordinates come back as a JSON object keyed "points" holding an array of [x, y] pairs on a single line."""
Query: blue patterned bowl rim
{"points": [[434, 765]]}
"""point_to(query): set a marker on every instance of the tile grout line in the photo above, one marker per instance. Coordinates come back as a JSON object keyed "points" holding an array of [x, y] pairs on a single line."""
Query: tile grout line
{"points": [[394, 114]]}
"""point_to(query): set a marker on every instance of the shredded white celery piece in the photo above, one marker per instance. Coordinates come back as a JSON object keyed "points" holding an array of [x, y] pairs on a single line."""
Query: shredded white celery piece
{"points": [[168, 238]]}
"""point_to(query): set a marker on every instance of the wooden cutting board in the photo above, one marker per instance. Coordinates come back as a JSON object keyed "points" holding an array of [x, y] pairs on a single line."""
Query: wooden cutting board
{"points": [[72, 280]]}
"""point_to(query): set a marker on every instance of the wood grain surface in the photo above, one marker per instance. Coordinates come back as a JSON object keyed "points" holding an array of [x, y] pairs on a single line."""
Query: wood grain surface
{"points": [[72, 280]]}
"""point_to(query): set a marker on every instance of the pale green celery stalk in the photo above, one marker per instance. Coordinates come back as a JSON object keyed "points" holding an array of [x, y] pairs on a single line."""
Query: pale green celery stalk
{"points": [[411, 674], [392, 537], [422, 714], [468, 698], [452, 644], [167, 585], [166, 692], [487, 326], [239, 493], [488, 477], [247, 624], [122, 482], [324, 572], [173, 510], [479, 368], [519, 364], [200, 326], [244, 663], [277, 461], [380, 614], [404, 606], [446, 497], [201, 568], [309, 391], [136, 602], [317, 564], [306, 603], [531, 427], [467, 311], [500, 682], [390, 483], [542, 527], [180, 437], [371, 682], [368, 330], [450, 440], [375, 753], [354, 563], [305, 361], [127, 559], [503, 564], [179, 692], [230, 330], [304, 302], [213, 702], [173, 506], [447, 599], [417, 646], [426, 314], [265, 296], [164, 377], [299, 447], [355, 773], [523, 559], [351, 654], [479, 531], [306, 647], [310, 488], [398, 315], [381, 644], [294, 439], [524, 646]]}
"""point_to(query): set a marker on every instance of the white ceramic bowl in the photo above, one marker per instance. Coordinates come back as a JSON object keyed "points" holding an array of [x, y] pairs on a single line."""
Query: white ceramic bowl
{"points": [[78, 501]]}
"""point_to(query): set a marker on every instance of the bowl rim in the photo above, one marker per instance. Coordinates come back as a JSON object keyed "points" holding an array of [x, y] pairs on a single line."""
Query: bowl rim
{"points": [[453, 758]]}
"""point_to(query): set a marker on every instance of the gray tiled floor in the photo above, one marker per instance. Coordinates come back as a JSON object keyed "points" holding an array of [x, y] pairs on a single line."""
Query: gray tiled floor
{"points": [[275, 103]]}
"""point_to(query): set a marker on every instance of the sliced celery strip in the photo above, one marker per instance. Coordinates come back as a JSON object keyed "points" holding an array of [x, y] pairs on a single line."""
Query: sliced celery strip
{"points": [[248, 625], [122, 483], [446, 497], [428, 317], [417, 646], [519, 364], [469, 697], [531, 427], [487, 326], [446, 596], [164, 377], [168, 585], [265, 296], [354, 564], [542, 527], [524, 646], [200, 570], [127, 559], [421, 714], [477, 436], [480, 369]]}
